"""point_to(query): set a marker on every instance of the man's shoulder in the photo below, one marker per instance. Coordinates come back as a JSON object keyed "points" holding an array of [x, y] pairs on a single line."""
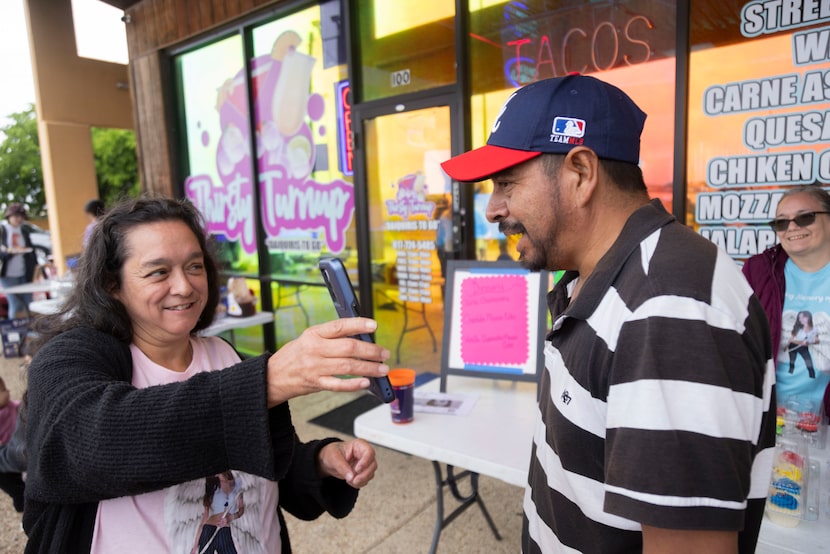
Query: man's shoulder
{"points": [[679, 262]]}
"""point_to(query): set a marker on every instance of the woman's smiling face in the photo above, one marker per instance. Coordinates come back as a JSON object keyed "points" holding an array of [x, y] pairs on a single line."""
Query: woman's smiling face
{"points": [[797, 240], [164, 286]]}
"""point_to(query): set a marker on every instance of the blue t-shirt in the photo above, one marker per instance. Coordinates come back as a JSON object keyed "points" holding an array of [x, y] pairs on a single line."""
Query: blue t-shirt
{"points": [[803, 363]]}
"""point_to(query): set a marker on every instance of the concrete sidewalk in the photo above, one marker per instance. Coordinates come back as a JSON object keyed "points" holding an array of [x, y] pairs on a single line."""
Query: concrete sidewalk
{"points": [[395, 513]]}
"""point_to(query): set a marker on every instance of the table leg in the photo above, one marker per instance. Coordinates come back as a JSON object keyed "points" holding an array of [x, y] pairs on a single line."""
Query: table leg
{"points": [[298, 302], [465, 502], [300, 305], [406, 329]]}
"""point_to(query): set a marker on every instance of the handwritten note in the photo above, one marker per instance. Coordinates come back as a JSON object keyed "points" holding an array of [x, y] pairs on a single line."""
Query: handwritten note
{"points": [[494, 321]]}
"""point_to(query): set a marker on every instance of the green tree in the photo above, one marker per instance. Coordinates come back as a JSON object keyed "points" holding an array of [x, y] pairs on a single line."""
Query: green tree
{"points": [[116, 164], [21, 173]]}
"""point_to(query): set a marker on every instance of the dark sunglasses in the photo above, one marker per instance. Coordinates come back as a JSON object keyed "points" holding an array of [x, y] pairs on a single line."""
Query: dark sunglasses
{"points": [[802, 220]]}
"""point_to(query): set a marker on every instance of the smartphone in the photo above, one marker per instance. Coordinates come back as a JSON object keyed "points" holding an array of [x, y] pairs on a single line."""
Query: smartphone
{"points": [[346, 304]]}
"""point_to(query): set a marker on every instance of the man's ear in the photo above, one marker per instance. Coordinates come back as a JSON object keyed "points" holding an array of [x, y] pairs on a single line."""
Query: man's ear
{"points": [[582, 164]]}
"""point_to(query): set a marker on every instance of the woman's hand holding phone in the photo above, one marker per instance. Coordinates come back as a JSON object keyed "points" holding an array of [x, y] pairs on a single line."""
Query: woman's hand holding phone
{"points": [[346, 304], [314, 361]]}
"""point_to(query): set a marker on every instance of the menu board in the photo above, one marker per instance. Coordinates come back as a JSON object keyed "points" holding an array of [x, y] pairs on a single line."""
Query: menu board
{"points": [[494, 320]]}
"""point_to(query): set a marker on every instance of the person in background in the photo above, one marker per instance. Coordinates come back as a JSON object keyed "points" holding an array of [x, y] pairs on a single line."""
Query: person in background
{"points": [[129, 408], [45, 272], [792, 277], [18, 258], [11, 478], [94, 210], [8, 413], [504, 255], [655, 426], [443, 235], [443, 239]]}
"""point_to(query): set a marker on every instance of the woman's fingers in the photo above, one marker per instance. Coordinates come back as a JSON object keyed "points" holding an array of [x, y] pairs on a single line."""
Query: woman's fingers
{"points": [[321, 355]]}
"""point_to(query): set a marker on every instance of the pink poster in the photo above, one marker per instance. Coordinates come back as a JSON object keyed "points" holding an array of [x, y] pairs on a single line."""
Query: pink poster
{"points": [[494, 321]]}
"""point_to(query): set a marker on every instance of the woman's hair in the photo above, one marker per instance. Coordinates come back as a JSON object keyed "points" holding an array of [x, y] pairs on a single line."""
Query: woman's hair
{"points": [[815, 190], [91, 303], [797, 325]]}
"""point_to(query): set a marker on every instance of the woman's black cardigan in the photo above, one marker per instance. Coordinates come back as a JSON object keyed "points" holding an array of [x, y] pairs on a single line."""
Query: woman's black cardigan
{"points": [[91, 436]]}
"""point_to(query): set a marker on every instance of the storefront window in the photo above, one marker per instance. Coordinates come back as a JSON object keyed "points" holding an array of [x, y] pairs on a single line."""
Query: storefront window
{"points": [[213, 105], [405, 46], [409, 221], [304, 160], [215, 111], [292, 187], [758, 97], [628, 43]]}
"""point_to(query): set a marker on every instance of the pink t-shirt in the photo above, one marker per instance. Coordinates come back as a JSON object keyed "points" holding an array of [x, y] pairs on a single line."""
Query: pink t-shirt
{"points": [[170, 520]]}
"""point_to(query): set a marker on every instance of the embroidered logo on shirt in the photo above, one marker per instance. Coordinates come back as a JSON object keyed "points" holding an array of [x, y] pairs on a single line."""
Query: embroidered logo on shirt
{"points": [[566, 397]]}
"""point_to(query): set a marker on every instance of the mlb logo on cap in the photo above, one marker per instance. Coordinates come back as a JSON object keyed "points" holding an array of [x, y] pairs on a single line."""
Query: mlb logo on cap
{"points": [[553, 116], [568, 127]]}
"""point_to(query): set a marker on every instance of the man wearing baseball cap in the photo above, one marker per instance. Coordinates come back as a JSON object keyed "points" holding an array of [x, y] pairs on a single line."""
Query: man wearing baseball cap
{"points": [[655, 430]]}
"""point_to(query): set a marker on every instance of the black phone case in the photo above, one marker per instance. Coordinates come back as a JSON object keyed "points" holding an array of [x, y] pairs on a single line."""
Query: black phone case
{"points": [[346, 305]]}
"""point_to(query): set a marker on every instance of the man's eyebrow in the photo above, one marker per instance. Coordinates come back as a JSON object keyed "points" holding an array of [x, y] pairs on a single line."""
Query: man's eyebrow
{"points": [[507, 175]]}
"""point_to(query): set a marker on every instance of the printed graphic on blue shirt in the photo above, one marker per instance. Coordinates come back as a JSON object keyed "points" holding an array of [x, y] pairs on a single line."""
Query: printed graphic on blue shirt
{"points": [[803, 363]]}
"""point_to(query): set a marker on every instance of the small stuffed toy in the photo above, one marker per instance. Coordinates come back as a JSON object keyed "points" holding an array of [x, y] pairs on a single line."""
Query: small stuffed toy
{"points": [[241, 300]]}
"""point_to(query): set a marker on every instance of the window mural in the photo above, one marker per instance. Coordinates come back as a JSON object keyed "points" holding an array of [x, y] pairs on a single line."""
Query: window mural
{"points": [[758, 97], [279, 195], [299, 210]]}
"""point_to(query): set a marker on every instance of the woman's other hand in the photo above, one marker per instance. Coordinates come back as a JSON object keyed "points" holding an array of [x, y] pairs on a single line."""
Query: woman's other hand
{"points": [[314, 361], [352, 461]]}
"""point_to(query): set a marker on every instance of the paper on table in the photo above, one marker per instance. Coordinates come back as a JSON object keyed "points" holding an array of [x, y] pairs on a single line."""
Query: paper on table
{"points": [[444, 403]]}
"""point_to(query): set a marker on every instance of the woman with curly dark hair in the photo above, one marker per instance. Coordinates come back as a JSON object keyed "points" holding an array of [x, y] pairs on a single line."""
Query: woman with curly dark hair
{"points": [[129, 408]]}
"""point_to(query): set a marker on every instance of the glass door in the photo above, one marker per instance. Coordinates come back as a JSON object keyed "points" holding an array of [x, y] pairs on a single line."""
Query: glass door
{"points": [[410, 231]]}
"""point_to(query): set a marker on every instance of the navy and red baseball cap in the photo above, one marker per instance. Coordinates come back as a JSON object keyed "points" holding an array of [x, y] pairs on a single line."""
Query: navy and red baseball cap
{"points": [[553, 116]]}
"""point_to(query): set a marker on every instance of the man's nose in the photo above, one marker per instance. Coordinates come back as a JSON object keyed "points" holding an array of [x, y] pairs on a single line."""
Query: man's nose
{"points": [[496, 208]]}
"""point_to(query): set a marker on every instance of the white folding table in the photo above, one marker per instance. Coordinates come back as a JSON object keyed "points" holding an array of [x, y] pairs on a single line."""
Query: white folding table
{"points": [[494, 439]]}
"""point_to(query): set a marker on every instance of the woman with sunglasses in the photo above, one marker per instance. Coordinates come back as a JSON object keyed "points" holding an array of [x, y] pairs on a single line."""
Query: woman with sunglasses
{"points": [[791, 278]]}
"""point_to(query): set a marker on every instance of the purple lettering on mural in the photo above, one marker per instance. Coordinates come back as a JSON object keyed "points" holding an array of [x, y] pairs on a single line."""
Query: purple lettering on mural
{"points": [[286, 149], [410, 198], [226, 209], [289, 203]]}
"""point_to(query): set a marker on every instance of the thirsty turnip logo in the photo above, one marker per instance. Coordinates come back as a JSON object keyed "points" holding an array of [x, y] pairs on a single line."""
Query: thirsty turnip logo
{"points": [[410, 198], [293, 205]]}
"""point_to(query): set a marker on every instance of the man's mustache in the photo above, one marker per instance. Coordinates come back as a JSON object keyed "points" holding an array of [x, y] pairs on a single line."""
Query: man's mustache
{"points": [[511, 228]]}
